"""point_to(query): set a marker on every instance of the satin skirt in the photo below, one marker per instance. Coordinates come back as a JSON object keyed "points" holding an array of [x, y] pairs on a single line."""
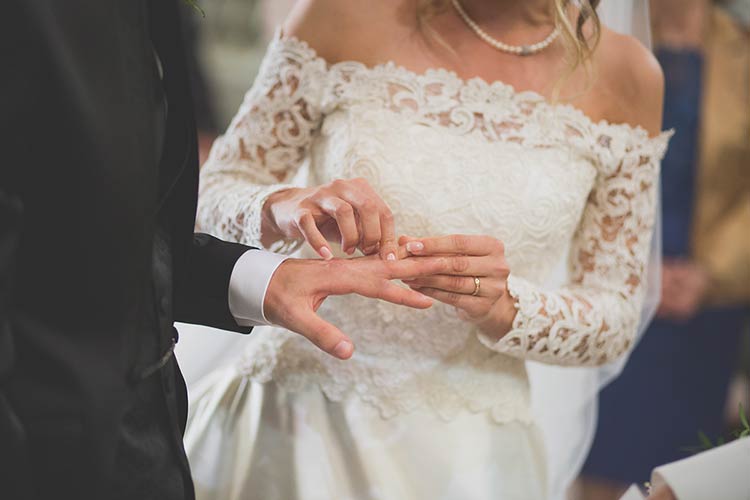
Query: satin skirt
{"points": [[255, 441]]}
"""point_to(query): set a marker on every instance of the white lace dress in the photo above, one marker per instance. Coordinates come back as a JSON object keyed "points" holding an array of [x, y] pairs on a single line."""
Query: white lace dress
{"points": [[427, 408]]}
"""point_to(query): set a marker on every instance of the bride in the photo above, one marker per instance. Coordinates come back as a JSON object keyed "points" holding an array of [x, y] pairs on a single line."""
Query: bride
{"points": [[430, 117]]}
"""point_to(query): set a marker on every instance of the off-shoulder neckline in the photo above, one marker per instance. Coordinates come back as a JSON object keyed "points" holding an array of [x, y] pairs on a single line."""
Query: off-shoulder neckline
{"points": [[640, 133]]}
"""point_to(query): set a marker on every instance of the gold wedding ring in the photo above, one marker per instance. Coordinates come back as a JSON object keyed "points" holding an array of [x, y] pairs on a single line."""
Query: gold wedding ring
{"points": [[477, 286]]}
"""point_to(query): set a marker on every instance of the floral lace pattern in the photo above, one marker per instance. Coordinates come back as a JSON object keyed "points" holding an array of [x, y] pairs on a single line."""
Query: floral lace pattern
{"points": [[448, 156]]}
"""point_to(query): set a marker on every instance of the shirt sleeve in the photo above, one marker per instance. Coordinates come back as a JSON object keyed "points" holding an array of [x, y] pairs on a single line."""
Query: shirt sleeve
{"points": [[594, 318], [248, 285], [264, 146]]}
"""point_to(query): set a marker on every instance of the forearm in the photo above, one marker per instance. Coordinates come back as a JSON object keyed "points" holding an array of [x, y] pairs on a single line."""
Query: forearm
{"points": [[235, 209], [576, 325], [202, 286]]}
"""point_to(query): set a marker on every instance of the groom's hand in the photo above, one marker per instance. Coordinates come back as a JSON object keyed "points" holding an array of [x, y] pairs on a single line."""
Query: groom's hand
{"points": [[299, 287]]}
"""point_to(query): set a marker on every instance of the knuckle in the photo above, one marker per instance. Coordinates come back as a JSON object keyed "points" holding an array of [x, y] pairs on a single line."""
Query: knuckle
{"points": [[371, 238], [387, 216], [369, 245], [460, 242], [337, 184], [343, 210], [456, 282], [323, 192], [311, 199], [302, 215], [367, 205], [443, 265], [459, 264]]}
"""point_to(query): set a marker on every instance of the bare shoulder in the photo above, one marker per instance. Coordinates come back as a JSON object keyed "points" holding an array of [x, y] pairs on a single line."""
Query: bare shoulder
{"points": [[343, 29], [632, 79]]}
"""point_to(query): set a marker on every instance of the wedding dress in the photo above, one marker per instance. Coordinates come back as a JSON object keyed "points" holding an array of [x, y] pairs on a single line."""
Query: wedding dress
{"points": [[428, 407]]}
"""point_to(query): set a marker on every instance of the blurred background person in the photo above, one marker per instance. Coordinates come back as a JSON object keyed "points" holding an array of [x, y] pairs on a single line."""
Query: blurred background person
{"points": [[677, 380]]}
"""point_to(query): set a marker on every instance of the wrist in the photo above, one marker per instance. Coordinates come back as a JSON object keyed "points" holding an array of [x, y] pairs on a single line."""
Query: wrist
{"points": [[270, 230], [501, 318]]}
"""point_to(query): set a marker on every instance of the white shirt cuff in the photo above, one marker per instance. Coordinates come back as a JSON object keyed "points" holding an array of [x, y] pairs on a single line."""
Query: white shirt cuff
{"points": [[717, 473], [248, 285]]}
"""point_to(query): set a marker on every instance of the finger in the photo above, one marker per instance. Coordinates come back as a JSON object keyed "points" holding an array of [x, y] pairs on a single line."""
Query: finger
{"points": [[403, 240], [369, 219], [388, 248], [367, 276], [401, 251], [404, 296], [488, 287], [455, 244], [343, 213], [327, 337], [448, 283], [462, 265], [313, 236], [377, 288], [474, 306], [412, 268]]}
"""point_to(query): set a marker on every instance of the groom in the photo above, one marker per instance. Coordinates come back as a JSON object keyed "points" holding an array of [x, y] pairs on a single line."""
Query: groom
{"points": [[98, 258]]}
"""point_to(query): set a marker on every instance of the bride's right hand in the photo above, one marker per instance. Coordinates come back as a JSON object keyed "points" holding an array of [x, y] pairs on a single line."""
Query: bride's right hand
{"points": [[348, 211]]}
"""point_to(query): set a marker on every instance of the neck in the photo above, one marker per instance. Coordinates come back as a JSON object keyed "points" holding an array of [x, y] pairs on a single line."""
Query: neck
{"points": [[506, 13]]}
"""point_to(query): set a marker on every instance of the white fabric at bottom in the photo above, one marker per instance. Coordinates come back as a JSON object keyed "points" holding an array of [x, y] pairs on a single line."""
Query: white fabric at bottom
{"points": [[248, 440]]}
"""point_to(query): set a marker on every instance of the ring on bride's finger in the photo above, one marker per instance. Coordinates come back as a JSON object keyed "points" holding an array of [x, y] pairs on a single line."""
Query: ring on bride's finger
{"points": [[477, 286]]}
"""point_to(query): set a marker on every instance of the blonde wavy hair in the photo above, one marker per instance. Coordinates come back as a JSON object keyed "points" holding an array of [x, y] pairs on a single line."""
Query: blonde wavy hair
{"points": [[571, 20]]}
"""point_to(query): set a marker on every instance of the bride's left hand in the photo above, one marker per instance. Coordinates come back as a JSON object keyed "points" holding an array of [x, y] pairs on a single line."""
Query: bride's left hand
{"points": [[476, 282]]}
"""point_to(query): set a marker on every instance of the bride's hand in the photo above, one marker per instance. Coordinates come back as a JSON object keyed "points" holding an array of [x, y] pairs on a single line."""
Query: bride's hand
{"points": [[346, 210], [474, 281]]}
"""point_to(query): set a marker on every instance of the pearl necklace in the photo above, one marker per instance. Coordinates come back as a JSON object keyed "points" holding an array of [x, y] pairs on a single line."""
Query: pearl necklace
{"points": [[519, 50]]}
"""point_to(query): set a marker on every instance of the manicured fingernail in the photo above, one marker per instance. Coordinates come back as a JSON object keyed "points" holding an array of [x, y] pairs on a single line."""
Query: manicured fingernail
{"points": [[325, 252], [391, 256], [343, 349], [415, 246]]}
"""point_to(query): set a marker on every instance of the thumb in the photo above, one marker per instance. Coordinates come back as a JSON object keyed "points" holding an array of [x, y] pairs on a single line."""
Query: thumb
{"points": [[326, 336], [402, 251], [404, 239]]}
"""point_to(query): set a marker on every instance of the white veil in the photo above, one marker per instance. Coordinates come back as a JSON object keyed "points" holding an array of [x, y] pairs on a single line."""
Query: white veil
{"points": [[564, 399]]}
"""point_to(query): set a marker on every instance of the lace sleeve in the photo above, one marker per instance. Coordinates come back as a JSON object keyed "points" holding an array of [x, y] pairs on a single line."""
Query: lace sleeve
{"points": [[264, 146], [594, 319]]}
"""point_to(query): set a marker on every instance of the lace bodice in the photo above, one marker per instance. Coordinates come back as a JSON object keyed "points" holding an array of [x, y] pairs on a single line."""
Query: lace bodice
{"points": [[448, 156]]}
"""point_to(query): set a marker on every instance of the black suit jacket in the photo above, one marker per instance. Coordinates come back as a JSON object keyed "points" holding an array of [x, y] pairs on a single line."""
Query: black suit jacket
{"points": [[98, 186]]}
